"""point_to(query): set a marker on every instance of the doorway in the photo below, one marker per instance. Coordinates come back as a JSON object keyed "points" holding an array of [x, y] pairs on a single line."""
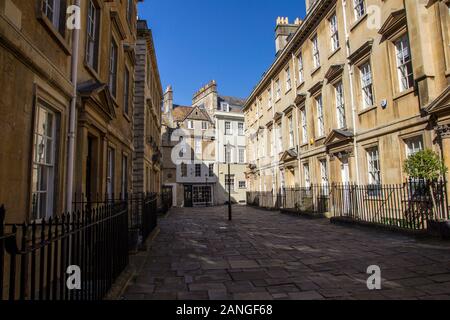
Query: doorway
{"points": [[188, 196]]}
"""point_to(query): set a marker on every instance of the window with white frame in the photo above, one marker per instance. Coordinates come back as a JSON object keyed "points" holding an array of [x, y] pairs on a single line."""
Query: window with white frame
{"points": [[190, 124], [228, 130], [280, 138], [92, 39], [54, 10], [278, 89], [229, 182], [366, 85], [301, 74], [198, 170], [324, 175], [288, 79], [44, 163], [316, 53], [198, 145], [359, 8], [269, 142], [320, 117], [306, 175], [304, 126], [204, 125], [269, 98], [211, 169], [413, 145], [334, 32], [404, 63], [126, 91], [113, 55], [241, 128], [241, 155], [291, 132], [242, 184], [340, 105], [373, 165]]}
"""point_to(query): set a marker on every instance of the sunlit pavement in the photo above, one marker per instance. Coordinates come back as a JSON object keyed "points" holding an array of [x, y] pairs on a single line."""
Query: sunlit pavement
{"points": [[265, 255]]}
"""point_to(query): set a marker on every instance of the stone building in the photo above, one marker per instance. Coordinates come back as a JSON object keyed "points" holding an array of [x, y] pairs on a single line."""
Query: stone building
{"points": [[356, 87], [147, 115], [35, 55], [206, 135], [36, 92], [105, 112]]}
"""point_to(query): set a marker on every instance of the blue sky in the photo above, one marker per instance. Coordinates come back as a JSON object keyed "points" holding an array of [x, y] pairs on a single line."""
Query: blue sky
{"points": [[230, 41]]}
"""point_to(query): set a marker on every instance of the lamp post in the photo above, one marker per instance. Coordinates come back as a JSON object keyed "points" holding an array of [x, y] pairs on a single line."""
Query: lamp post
{"points": [[230, 215]]}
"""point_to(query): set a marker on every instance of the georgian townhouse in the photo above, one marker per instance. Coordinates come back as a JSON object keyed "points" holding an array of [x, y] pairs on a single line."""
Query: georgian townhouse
{"points": [[356, 87], [35, 51], [147, 115], [106, 74]]}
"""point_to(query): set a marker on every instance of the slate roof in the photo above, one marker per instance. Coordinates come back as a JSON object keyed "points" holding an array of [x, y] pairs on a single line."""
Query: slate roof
{"points": [[236, 104]]}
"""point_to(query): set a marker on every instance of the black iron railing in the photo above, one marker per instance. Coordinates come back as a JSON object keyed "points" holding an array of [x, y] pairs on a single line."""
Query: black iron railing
{"points": [[35, 258], [409, 205]]}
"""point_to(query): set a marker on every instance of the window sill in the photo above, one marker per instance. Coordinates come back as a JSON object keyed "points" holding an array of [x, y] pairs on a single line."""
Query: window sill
{"points": [[315, 70], [403, 93], [320, 138], [54, 33], [334, 52], [366, 110], [278, 100], [287, 91], [358, 22], [301, 84], [304, 145]]}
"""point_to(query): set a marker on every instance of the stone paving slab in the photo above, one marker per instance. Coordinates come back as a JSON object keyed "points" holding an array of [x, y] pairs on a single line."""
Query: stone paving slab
{"points": [[264, 255]]}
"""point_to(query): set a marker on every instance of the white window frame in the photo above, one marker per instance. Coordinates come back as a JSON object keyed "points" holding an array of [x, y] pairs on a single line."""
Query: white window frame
{"points": [[291, 131], [44, 162], [304, 125], [306, 175], [228, 128], [373, 166], [113, 61], [242, 184], [241, 155], [211, 169], [198, 145], [301, 74], [413, 145], [280, 138], [334, 32], [340, 105], [315, 51], [190, 124], [320, 116], [92, 35], [365, 71], [278, 89], [241, 128], [359, 8], [52, 10], [270, 100], [288, 78], [204, 125], [404, 63], [228, 154]]}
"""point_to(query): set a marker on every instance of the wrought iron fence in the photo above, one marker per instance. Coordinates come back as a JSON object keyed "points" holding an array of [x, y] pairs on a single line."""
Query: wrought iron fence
{"points": [[409, 205], [142, 212], [34, 258]]}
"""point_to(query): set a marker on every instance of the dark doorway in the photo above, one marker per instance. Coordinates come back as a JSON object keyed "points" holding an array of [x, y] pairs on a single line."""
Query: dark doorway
{"points": [[188, 196]]}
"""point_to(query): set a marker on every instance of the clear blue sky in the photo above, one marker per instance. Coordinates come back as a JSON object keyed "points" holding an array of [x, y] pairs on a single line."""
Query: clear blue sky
{"points": [[230, 41]]}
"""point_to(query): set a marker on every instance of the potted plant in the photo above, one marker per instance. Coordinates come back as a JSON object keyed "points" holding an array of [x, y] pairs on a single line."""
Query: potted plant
{"points": [[427, 167]]}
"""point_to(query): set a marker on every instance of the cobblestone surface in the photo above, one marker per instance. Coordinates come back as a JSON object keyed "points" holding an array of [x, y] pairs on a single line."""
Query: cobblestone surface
{"points": [[264, 255]]}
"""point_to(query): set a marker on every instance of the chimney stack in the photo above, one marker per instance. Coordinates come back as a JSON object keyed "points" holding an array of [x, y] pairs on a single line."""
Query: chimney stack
{"points": [[283, 30], [168, 100]]}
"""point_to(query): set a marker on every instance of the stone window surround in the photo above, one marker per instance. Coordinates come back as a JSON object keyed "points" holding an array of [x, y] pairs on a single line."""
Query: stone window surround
{"points": [[92, 69]]}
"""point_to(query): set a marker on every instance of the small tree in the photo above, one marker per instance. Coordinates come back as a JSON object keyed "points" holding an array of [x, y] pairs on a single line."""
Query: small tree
{"points": [[428, 166]]}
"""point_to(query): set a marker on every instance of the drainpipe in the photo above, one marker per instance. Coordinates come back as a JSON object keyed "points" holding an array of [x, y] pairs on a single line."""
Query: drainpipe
{"points": [[352, 97], [72, 118]]}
